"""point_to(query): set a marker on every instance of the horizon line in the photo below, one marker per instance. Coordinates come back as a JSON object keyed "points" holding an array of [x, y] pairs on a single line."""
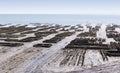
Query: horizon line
{"points": [[57, 14]]}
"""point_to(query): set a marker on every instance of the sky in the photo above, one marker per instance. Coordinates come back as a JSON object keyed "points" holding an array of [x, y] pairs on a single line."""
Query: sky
{"points": [[106, 7]]}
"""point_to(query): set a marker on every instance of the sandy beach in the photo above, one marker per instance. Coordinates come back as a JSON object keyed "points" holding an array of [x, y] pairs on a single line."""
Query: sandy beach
{"points": [[59, 49]]}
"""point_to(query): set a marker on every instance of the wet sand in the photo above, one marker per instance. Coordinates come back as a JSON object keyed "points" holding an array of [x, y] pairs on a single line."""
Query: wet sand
{"points": [[29, 59]]}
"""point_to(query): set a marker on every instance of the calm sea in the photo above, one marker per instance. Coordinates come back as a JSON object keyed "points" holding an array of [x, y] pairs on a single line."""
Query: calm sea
{"points": [[58, 18]]}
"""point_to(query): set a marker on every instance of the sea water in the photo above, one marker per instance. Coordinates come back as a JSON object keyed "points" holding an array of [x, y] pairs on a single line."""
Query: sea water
{"points": [[69, 19]]}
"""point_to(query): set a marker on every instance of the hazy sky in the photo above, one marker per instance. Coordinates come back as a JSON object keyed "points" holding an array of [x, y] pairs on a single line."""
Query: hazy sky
{"points": [[60, 7]]}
